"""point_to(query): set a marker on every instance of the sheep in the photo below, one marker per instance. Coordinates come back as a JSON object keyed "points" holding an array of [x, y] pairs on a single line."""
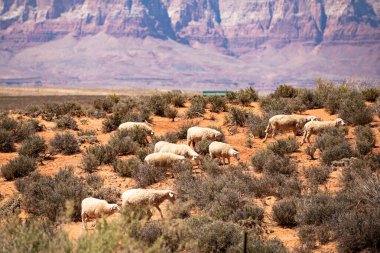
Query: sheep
{"points": [[163, 159], [219, 149], [315, 127], [178, 149], [132, 125], [95, 208], [144, 197], [195, 134], [287, 122]]}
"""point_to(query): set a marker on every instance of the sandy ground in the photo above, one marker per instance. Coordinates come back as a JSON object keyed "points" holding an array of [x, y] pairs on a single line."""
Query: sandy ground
{"points": [[162, 125]]}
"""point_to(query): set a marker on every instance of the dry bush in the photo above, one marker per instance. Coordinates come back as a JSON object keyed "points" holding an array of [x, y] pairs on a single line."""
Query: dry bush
{"points": [[11, 206], [49, 196], [365, 139], [158, 105], [317, 174], [182, 132], [354, 111], [309, 98], [147, 175], [310, 151], [126, 168], [197, 107], [246, 96], [284, 212], [284, 146], [123, 144], [171, 137], [202, 147], [269, 162], [111, 123], [370, 93], [104, 154], [33, 146], [237, 116], [89, 162], [218, 104], [257, 124], [67, 122], [65, 143], [104, 104], [171, 113], [87, 136], [6, 141], [18, 167], [285, 91]]}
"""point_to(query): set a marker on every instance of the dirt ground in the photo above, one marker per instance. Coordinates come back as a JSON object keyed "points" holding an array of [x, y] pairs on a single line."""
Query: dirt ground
{"points": [[162, 125]]}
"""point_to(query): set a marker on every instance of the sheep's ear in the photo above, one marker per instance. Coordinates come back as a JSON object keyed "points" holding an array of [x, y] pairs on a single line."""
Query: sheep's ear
{"points": [[171, 194]]}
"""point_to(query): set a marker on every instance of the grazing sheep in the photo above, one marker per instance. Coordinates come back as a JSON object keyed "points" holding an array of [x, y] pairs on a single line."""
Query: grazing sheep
{"points": [[195, 134], [95, 208], [219, 149], [178, 149], [315, 127], [286, 122], [131, 125], [163, 159], [144, 197]]}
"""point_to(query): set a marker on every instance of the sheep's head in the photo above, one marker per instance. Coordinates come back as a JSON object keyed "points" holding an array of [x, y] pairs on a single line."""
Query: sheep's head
{"points": [[171, 196], [234, 153], [114, 208], [311, 118], [339, 122]]}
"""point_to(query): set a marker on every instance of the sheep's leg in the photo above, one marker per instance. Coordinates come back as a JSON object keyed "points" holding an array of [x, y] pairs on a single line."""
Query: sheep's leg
{"points": [[274, 132], [158, 208], [304, 138], [84, 221], [229, 161], [308, 137]]}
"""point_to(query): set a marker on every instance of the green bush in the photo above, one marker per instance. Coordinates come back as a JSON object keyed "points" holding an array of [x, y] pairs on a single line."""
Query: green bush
{"points": [[111, 123], [284, 212], [317, 174], [354, 111], [67, 122], [310, 99], [197, 107], [218, 104], [370, 94], [87, 136], [284, 146], [147, 175], [237, 116], [123, 144], [330, 137], [182, 131], [36, 125], [65, 143], [269, 162], [50, 197], [202, 147], [18, 167], [171, 113], [33, 146], [335, 153], [104, 104], [158, 105], [365, 139], [285, 91], [89, 162], [105, 154], [246, 96], [257, 124], [8, 124], [6, 141], [126, 168]]}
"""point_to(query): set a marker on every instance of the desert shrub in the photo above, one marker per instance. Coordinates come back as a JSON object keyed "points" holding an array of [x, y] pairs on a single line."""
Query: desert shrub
{"points": [[95, 182], [202, 147], [330, 137], [147, 175], [220, 137], [51, 110], [67, 122], [246, 96], [150, 232], [316, 209], [87, 136], [181, 166], [317, 174], [182, 131], [97, 114], [269, 162], [104, 104], [111, 123], [285, 91], [65, 143], [248, 216], [6, 141], [89, 162], [36, 125], [310, 151], [309, 98], [126, 168], [158, 105], [365, 139], [231, 96], [33, 146], [354, 111], [11, 206], [218, 104], [180, 209], [288, 186], [122, 144], [237, 116], [337, 152], [225, 203], [257, 124], [370, 94], [308, 237], [282, 105], [211, 166], [111, 195], [284, 146], [217, 236], [137, 135], [175, 98], [143, 152], [18, 167], [171, 113], [171, 137], [333, 101], [257, 244], [104, 154], [8, 124], [50, 196], [284, 212], [22, 131], [197, 107], [33, 235]]}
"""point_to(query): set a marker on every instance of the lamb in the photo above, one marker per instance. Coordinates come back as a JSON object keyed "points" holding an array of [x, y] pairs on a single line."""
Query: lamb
{"points": [[195, 134], [287, 122], [219, 149], [163, 159], [95, 208], [178, 149], [315, 127], [144, 197], [131, 125]]}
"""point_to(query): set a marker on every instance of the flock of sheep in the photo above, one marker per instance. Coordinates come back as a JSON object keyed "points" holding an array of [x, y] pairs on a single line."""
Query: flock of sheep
{"points": [[166, 154]]}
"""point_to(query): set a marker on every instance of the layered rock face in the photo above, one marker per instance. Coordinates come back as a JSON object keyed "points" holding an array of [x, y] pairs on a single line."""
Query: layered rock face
{"points": [[237, 26]]}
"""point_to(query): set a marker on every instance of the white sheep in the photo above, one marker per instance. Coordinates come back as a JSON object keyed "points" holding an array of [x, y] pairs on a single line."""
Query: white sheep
{"points": [[146, 197], [163, 159], [178, 149], [315, 127], [132, 125], [287, 123], [219, 149], [195, 134], [95, 208]]}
